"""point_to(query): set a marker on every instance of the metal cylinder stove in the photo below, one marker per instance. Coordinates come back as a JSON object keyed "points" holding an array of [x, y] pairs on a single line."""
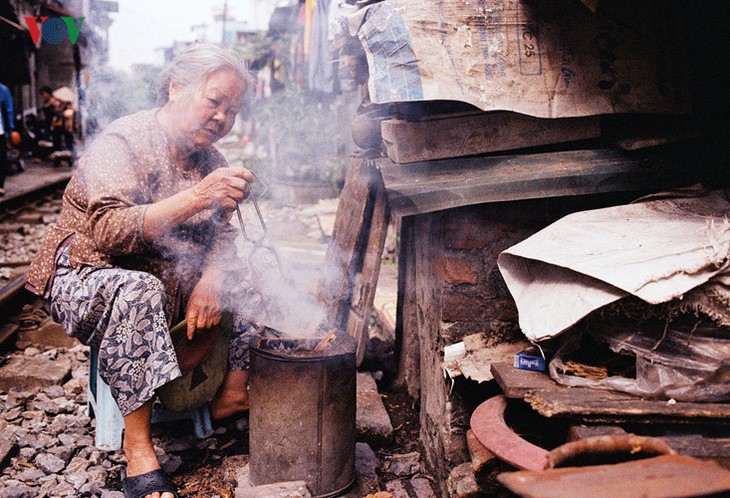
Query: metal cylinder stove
{"points": [[302, 415]]}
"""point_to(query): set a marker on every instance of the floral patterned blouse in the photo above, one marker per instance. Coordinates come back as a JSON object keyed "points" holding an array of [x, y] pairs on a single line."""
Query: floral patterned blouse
{"points": [[128, 167]]}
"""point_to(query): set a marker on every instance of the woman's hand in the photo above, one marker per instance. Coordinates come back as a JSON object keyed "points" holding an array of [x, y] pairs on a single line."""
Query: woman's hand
{"points": [[223, 188], [204, 305]]}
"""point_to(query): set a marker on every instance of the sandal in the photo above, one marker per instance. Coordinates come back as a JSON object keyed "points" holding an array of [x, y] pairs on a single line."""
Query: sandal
{"points": [[144, 484]]}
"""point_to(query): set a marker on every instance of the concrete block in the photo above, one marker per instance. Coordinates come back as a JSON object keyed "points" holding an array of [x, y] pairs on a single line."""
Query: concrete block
{"points": [[49, 334], [397, 489], [28, 372], [366, 465], [404, 464], [422, 488], [372, 420], [292, 489], [410, 488], [479, 454]]}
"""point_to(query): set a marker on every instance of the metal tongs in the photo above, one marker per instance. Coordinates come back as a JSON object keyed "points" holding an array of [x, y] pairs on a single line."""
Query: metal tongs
{"points": [[255, 241], [260, 244]]}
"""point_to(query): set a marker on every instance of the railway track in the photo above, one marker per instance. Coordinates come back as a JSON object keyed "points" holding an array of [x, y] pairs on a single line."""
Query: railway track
{"points": [[23, 224]]}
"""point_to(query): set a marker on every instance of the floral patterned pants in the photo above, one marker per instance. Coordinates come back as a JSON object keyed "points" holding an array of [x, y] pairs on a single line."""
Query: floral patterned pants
{"points": [[124, 313]]}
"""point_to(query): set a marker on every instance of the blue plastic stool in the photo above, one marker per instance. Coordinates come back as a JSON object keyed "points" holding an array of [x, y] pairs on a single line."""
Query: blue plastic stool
{"points": [[109, 420]]}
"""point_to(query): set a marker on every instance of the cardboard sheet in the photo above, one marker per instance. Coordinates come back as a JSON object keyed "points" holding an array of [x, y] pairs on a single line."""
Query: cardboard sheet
{"points": [[473, 358], [656, 250], [543, 58]]}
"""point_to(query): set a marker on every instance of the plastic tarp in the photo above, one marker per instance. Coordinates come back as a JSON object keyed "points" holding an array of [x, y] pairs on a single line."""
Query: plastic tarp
{"points": [[659, 249]]}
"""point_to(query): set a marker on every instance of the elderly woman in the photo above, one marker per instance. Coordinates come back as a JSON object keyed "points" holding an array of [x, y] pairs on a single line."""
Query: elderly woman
{"points": [[144, 240]]}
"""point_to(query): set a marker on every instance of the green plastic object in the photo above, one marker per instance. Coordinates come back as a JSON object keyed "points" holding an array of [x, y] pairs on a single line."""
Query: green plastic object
{"points": [[203, 361]]}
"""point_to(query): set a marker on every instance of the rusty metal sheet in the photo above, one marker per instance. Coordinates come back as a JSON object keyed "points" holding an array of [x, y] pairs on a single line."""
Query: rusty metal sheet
{"points": [[492, 431], [664, 476]]}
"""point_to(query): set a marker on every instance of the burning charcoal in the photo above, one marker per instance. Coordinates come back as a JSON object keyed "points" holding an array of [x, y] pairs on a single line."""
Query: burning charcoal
{"points": [[328, 338]]}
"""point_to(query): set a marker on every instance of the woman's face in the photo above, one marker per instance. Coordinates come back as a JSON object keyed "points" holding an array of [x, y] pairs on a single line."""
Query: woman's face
{"points": [[206, 114]]}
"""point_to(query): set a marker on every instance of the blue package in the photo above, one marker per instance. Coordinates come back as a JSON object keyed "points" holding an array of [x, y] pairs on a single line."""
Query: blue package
{"points": [[529, 359]]}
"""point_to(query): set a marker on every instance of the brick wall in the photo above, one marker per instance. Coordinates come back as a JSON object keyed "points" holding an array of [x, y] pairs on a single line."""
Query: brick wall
{"points": [[450, 287], [473, 295]]}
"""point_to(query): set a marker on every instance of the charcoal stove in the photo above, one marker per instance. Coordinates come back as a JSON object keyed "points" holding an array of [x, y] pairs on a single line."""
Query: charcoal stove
{"points": [[302, 415]]}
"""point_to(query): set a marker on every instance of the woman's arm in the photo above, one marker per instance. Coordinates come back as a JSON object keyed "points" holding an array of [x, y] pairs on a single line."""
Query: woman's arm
{"points": [[122, 220], [221, 190]]}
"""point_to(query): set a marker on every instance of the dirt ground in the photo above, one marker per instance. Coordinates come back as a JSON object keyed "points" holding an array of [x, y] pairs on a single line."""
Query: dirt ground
{"points": [[212, 467], [206, 468]]}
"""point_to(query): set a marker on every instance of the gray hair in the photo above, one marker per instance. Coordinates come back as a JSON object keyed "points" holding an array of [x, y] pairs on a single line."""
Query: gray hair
{"points": [[191, 68]]}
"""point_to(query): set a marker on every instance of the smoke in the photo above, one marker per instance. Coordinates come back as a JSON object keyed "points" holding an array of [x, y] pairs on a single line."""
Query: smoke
{"points": [[284, 269], [275, 285], [299, 144], [111, 94], [302, 138]]}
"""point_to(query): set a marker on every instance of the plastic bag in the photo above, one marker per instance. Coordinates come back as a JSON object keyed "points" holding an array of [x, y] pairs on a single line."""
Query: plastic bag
{"points": [[671, 363]]}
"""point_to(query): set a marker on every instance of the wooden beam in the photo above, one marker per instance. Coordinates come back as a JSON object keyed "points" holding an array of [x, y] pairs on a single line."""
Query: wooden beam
{"points": [[424, 187], [467, 135], [691, 443], [516, 383], [354, 252]]}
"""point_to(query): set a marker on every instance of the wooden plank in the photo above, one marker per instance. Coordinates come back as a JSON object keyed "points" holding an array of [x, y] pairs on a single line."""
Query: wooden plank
{"points": [[407, 343], [342, 252], [602, 405], [578, 432], [633, 132], [716, 448], [516, 383], [554, 400], [354, 253], [424, 187], [466, 135]]}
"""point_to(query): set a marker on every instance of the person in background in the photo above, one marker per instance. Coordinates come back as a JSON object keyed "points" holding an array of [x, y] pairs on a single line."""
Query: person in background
{"points": [[6, 127], [50, 107], [144, 240], [63, 126], [15, 148]]}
